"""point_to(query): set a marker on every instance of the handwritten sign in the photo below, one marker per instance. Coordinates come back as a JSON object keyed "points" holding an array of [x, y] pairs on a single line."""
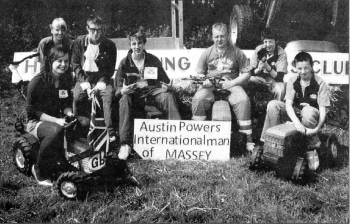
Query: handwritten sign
{"points": [[182, 140]]}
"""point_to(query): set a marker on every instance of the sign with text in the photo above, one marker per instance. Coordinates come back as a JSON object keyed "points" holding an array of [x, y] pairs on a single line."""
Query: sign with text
{"points": [[182, 140], [27, 69]]}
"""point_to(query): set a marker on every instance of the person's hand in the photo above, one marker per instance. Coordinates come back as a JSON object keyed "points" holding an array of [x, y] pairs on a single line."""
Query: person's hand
{"points": [[227, 83], [13, 67], [61, 122], [100, 86], [167, 87], [267, 67], [300, 127], [261, 66], [304, 104], [128, 89], [89, 92], [310, 132], [207, 83], [70, 114]]}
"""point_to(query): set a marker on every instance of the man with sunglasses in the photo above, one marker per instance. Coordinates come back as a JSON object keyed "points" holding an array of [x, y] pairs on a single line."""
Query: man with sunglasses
{"points": [[93, 60]]}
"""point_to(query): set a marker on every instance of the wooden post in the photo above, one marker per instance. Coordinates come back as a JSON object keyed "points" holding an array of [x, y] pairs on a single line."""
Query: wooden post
{"points": [[181, 24]]}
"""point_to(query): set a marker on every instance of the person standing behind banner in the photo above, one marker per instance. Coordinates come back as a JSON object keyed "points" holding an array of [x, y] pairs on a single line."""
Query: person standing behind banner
{"points": [[269, 63], [224, 58], [93, 59], [58, 39], [141, 77]]}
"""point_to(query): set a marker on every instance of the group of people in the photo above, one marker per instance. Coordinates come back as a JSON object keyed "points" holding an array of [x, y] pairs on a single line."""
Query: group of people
{"points": [[92, 58]]}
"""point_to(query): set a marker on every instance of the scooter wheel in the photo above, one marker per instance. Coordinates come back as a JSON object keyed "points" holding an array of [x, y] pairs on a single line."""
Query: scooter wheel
{"points": [[300, 169], [21, 155], [255, 159], [68, 185]]}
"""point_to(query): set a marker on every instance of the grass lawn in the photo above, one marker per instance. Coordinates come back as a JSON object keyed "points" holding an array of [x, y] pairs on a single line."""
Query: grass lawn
{"points": [[175, 191]]}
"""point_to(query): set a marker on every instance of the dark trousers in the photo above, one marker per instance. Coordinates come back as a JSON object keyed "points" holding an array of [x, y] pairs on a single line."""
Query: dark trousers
{"points": [[51, 145], [132, 106], [82, 106]]}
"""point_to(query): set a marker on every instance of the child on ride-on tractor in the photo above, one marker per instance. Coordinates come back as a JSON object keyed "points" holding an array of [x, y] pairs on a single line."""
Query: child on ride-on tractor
{"points": [[305, 105]]}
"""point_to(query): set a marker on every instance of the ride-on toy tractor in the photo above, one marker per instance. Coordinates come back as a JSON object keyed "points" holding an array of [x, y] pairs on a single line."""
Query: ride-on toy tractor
{"points": [[286, 152], [92, 158]]}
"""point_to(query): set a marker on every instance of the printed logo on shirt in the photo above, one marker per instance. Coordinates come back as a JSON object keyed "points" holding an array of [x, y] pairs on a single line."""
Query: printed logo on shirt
{"points": [[313, 96], [221, 64], [63, 93]]}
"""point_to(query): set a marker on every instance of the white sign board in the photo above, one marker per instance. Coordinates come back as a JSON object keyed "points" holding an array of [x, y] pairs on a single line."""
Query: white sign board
{"points": [[332, 67], [182, 140], [27, 69]]}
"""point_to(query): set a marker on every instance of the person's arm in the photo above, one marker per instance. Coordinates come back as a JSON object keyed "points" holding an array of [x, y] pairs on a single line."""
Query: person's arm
{"points": [[108, 66], [290, 94], [323, 101], [76, 59], [281, 67], [202, 68]]}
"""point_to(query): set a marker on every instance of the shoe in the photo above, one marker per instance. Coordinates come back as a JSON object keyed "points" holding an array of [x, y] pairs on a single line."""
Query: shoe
{"points": [[124, 152], [313, 160], [250, 146], [46, 183]]}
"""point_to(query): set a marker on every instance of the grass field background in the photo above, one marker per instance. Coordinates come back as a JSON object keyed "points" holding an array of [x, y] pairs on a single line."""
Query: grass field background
{"points": [[175, 191]]}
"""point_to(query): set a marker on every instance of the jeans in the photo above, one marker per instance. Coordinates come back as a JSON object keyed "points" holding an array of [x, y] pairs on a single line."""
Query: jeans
{"points": [[82, 106], [132, 106], [277, 114], [51, 147]]}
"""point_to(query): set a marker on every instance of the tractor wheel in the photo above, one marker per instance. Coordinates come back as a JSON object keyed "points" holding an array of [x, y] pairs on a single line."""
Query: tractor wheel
{"points": [[255, 159], [69, 185], [22, 155], [241, 22], [300, 169], [333, 147]]}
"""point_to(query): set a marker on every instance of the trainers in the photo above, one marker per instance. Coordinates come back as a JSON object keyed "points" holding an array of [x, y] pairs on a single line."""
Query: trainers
{"points": [[313, 161], [124, 152], [46, 183], [250, 146]]}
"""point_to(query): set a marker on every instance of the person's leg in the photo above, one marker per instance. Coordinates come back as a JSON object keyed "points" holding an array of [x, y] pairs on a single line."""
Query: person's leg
{"points": [[51, 149], [201, 103], [240, 103], [107, 95], [276, 114], [309, 118], [128, 108], [81, 105], [277, 89], [165, 102]]}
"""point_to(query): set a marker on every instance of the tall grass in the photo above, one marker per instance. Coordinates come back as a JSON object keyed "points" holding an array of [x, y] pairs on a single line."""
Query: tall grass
{"points": [[174, 191]]}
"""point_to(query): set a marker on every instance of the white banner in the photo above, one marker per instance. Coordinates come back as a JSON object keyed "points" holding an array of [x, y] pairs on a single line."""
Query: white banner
{"points": [[332, 67], [182, 140], [27, 69]]}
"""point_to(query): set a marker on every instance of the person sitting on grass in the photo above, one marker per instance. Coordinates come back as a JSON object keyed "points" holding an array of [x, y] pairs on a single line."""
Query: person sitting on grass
{"points": [[141, 77], [224, 58], [306, 101], [269, 63], [49, 98]]}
